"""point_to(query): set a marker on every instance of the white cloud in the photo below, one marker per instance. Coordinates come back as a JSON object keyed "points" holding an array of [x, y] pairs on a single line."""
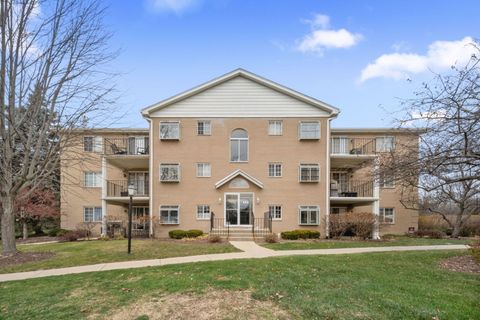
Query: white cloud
{"points": [[440, 55], [176, 6], [322, 37]]}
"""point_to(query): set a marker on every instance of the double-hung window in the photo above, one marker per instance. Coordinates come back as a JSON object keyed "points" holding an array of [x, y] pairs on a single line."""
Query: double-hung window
{"points": [[384, 144], [386, 179], [203, 212], [93, 144], [92, 179], [275, 211], [309, 130], [92, 214], [204, 170], [239, 146], [308, 215], [170, 214], [169, 172], [309, 173], [169, 130], [275, 127], [387, 216], [204, 128], [274, 170]]}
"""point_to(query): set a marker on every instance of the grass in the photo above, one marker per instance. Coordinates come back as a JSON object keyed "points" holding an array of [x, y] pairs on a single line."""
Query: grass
{"points": [[68, 254], [400, 285], [334, 244]]}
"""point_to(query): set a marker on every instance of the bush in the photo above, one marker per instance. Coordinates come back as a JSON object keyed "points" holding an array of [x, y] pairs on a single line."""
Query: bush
{"points": [[475, 249], [470, 229], [177, 234], [300, 234], [359, 224], [214, 239], [56, 232], [194, 233], [434, 234], [70, 236], [271, 238]]}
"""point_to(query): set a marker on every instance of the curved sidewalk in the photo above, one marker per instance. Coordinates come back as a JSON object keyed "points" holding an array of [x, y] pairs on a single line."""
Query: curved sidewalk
{"points": [[250, 250]]}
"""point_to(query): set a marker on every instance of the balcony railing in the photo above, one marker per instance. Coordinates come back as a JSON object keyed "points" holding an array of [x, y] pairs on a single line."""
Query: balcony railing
{"points": [[119, 188], [352, 146], [351, 188], [127, 146]]}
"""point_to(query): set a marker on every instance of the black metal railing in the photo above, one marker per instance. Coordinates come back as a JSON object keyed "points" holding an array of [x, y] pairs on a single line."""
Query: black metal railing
{"points": [[119, 188], [352, 188], [127, 146], [218, 226], [353, 146], [260, 226]]}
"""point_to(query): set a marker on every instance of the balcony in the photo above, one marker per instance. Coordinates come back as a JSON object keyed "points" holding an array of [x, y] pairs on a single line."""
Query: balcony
{"points": [[348, 152], [117, 190], [351, 191], [128, 152]]}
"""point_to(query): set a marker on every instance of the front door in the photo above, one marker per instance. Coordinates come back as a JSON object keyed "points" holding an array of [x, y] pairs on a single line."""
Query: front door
{"points": [[238, 208]]}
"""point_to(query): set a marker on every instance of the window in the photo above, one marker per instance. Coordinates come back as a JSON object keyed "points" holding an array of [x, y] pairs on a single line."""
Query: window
{"points": [[384, 144], [309, 130], [308, 215], [93, 144], [239, 146], [337, 210], [93, 179], [204, 128], [169, 214], [169, 172], [309, 173], [140, 218], [275, 127], [204, 170], [339, 145], [203, 212], [137, 145], [386, 179], [92, 214], [169, 130], [387, 216], [275, 211], [274, 169]]}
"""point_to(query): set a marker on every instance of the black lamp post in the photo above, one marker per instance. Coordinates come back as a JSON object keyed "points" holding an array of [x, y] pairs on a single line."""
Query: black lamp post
{"points": [[131, 192]]}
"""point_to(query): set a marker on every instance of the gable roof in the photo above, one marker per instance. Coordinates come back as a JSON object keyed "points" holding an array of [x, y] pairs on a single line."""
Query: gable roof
{"points": [[247, 75], [237, 173]]}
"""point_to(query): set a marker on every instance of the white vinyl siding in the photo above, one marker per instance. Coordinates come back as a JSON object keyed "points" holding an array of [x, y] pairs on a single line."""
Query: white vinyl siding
{"points": [[309, 130], [204, 127], [204, 170], [93, 144], [169, 130], [203, 212], [242, 98], [92, 179], [275, 211], [275, 127], [384, 144], [169, 172], [308, 215], [274, 170], [387, 216], [309, 173], [170, 214], [92, 214]]}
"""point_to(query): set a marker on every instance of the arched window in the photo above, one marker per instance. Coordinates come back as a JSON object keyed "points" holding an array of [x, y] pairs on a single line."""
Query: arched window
{"points": [[239, 145]]}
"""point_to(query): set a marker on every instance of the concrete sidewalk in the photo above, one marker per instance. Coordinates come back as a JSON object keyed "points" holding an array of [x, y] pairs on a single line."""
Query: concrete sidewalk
{"points": [[250, 249]]}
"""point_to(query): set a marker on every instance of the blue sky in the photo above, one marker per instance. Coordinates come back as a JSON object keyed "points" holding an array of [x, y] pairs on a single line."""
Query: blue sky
{"points": [[355, 55]]}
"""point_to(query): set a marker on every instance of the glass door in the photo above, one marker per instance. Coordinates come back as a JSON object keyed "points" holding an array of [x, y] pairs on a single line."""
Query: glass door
{"points": [[231, 209], [238, 208], [140, 181]]}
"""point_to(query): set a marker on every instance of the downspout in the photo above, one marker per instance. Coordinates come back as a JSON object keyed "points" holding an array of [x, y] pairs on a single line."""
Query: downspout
{"points": [[104, 195], [376, 202], [327, 178], [150, 174]]}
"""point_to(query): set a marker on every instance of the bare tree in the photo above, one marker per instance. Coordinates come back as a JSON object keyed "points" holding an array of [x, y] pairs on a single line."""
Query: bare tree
{"points": [[52, 76], [447, 168]]}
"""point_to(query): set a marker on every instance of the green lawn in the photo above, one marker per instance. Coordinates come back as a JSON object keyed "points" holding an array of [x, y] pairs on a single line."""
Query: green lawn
{"points": [[334, 244], [69, 254], [400, 285]]}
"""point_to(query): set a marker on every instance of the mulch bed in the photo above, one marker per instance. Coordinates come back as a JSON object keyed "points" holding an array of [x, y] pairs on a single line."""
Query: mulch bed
{"points": [[23, 257], [37, 239], [461, 264]]}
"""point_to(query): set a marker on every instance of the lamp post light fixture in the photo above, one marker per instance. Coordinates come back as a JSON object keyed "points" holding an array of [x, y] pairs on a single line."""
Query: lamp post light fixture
{"points": [[131, 192]]}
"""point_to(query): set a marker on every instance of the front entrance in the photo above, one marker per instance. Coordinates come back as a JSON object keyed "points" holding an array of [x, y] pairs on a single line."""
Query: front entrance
{"points": [[238, 208]]}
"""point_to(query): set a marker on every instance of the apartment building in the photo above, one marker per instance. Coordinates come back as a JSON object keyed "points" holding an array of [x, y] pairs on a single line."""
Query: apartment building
{"points": [[239, 152]]}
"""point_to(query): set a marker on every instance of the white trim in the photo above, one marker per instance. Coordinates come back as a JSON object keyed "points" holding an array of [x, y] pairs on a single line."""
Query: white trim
{"points": [[210, 169], [300, 219], [169, 164], [169, 205], [209, 212], [104, 194], [238, 209], [204, 134], [239, 139], [247, 75], [327, 181], [281, 211], [281, 169], [383, 209], [309, 121], [308, 165], [169, 139], [281, 127], [235, 174], [150, 173]]}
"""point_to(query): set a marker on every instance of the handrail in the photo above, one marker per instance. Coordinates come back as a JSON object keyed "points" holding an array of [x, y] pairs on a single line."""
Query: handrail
{"points": [[351, 188], [352, 146], [119, 188], [138, 145]]}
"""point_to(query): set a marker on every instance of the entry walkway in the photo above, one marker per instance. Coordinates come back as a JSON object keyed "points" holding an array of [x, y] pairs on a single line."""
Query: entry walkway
{"points": [[250, 250]]}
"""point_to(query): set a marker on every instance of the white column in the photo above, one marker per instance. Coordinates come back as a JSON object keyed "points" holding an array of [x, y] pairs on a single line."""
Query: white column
{"points": [[150, 175], [327, 179], [104, 195], [376, 203]]}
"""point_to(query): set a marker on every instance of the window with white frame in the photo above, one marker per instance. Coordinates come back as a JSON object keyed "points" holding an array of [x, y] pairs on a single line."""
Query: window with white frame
{"points": [[309, 130], [387, 216], [92, 214], [384, 144], [169, 172], [340, 145], [203, 212], [92, 179], [204, 170], [169, 214], [275, 170], [275, 127], [309, 173], [386, 179], [169, 130], [239, 146], [93, 144], [308, 215], [204, 128], [275, 211]]}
